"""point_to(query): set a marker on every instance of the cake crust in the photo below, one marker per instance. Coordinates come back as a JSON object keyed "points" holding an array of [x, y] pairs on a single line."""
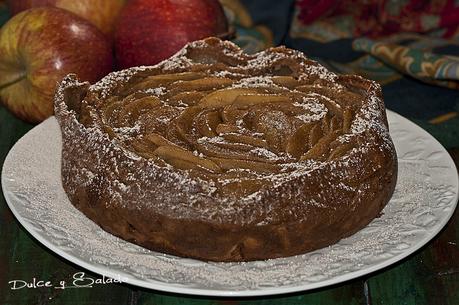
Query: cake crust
{"points": [[286, 199]]}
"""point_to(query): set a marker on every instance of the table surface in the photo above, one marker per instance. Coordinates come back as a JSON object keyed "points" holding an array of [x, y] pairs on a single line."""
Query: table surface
{"points": [[429, 276]]}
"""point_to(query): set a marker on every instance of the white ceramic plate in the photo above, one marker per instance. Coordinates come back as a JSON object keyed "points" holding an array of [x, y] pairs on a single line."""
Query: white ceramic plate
{"points": [[424, 200]]}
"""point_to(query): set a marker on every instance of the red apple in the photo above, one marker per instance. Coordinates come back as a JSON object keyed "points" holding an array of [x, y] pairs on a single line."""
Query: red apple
{"points": [[102, 13], [149, 31], [38, 47]]}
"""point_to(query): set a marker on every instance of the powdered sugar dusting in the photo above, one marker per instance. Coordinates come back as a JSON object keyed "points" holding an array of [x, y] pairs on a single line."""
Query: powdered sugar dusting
{"points": [[156, 91], [254, 82], [314, 111], [213, 140], [225, 73], [106, 84], [265, 153]]}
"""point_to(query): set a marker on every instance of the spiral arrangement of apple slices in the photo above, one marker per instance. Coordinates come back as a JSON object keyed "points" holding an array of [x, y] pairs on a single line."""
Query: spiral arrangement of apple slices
{"points": [[232, 118]]}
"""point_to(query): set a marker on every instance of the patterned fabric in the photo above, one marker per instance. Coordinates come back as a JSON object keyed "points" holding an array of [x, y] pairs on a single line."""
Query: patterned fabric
{"points": [[377, 18], [411, 47], [425, 66], [395, 28], [392, 29]]}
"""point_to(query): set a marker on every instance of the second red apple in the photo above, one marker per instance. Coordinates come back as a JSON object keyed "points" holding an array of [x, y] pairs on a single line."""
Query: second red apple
{"points": [[149, 31]]}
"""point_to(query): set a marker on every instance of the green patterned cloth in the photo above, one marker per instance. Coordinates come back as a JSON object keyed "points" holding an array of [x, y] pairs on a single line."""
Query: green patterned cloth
{"points": [[426, 66]]}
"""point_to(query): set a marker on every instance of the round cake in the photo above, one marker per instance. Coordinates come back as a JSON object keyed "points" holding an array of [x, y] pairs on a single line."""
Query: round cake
{"points": [[219, 155]]}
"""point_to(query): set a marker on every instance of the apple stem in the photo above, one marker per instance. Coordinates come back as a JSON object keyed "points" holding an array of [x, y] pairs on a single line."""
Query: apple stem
{"points": [[14, 81]]}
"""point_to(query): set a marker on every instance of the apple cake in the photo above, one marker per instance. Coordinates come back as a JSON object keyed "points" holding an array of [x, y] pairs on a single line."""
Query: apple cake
{"points": [[219, 155]]}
